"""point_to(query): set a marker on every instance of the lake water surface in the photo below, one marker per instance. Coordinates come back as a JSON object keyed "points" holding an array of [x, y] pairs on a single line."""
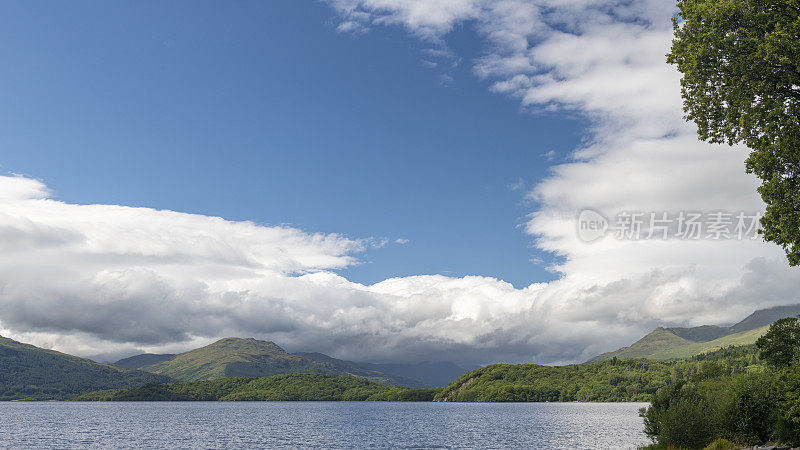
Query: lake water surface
{"points": [[320, 425]]}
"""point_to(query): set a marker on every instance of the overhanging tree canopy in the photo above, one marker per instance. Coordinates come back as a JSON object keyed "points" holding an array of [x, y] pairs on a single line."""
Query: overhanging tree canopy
{"points": [[740, 61]]}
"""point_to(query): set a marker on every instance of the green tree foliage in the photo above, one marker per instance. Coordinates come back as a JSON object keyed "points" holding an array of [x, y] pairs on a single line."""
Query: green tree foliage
{"points": [[750, 412], [721, 444], [740, 61], [779, 345], [740, 400], [752, 408], [745, 409], [678, 417], [289, 387], [789, 424], [611, 380]]}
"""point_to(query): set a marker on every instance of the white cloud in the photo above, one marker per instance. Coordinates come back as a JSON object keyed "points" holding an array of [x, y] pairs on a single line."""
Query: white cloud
{"points": [[110, 279], [105, 279], [428, 19], [607, 61]]}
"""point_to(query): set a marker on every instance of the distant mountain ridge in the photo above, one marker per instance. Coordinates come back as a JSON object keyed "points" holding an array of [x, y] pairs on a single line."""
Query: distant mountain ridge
{"points": [[236, 357], [703, 333], [764, 317], [145, 359], [433, 373], [27, 371], [678, 342]]}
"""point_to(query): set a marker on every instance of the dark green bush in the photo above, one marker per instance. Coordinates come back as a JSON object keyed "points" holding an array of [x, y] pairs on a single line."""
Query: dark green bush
{"points": [[751, 414], [748, 409], [789, 420], [679, 416]]}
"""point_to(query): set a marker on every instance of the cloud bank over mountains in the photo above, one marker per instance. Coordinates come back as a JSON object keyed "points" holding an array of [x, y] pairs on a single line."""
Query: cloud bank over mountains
{"points": [[110, 279]]}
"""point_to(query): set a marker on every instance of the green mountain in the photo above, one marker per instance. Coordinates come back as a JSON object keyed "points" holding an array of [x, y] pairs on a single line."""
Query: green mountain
{"points": [[764, 317], [233, 357], [695, 348], [667, 343], [657, 340], [28, 372], [289, 387]]}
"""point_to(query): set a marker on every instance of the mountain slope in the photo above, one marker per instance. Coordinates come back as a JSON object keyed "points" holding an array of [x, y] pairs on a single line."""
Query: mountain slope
{"points": [[703, 333], [737, 339], [233, 357], [667, 343], [658, 340], [663, 343], [27, 371], [764, 317]]}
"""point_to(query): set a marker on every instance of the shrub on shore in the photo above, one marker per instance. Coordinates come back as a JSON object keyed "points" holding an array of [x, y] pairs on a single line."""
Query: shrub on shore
{"points": [[751, 408]]}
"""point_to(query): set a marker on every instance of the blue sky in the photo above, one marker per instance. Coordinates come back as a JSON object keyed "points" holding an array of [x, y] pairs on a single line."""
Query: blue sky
{"points": [[262, 111]]}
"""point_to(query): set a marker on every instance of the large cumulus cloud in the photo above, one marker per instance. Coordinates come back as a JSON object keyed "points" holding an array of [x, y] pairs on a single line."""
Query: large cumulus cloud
{"points": [[112, 280], [106, 279]]}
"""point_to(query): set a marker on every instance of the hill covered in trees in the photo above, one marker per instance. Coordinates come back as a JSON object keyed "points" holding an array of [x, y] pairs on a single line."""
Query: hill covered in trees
{"points": [[613, 380], [29, 372], [289, 387]]}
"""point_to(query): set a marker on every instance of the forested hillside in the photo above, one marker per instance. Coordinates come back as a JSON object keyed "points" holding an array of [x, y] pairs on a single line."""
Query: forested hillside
{"points": [[291, 387], [612, 380], [29, 372]]}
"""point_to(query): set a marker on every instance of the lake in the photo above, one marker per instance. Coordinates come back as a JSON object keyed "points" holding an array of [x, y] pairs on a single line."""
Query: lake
{"points": [[320, 424]]}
